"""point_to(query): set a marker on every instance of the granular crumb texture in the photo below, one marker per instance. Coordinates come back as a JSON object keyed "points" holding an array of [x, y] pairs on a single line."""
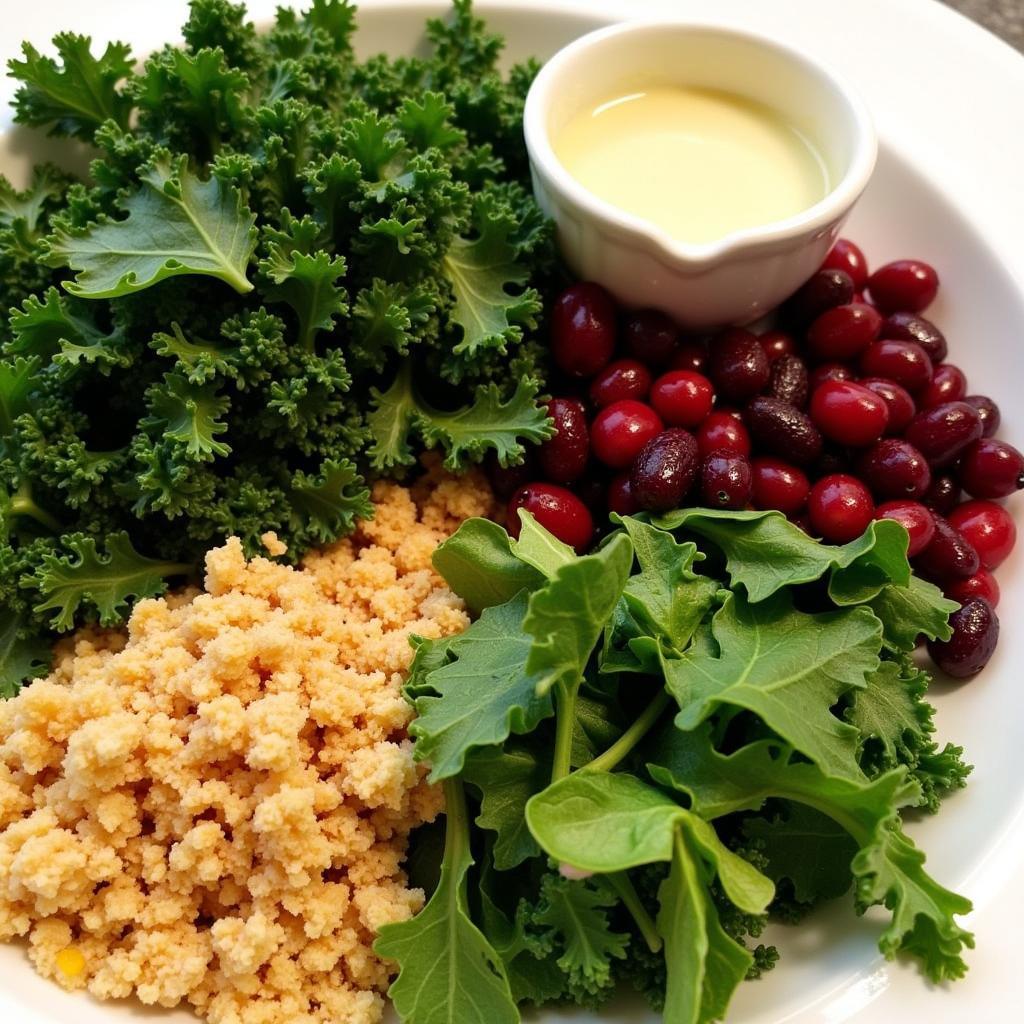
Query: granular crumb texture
{"points": [[213, 808]]}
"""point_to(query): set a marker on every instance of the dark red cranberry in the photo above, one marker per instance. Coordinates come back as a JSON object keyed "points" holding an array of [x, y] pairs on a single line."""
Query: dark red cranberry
{"points": [[564, 456], [650, 336], [914, 518], [948, 384], [825, 372], [833, 459], [847, 257], [904, 362], [943, 496], [991, 469], [840, 508], [621, 429], [897, 399], [583, 329], [779, 429], [843, 332], [624, 378], [988, 411], [690, 355], [723, 431], [682, 398], [788, 381], [949, 555], [620, 496], [827, 288], [665, 470], [848, 413], [559, 511], [981, 584], [942, 433], [905, 285], [975, 636], [737, 365], [895, 469], [779, 485], [988, 528], [777, 343], [908, 327], [506, 480], [726, 481]]}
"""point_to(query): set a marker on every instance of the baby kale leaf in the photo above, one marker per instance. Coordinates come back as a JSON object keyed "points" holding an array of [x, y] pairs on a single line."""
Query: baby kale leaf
{"points": [[908, 611], [23, 655], [326, 505]]}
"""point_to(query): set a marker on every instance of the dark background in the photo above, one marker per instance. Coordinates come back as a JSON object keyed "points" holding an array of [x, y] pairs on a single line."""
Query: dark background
{"points": [[1004, 17]]}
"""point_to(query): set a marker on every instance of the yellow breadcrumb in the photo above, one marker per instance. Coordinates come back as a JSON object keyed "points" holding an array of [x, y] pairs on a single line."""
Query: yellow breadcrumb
{"points": [[213, 806]]}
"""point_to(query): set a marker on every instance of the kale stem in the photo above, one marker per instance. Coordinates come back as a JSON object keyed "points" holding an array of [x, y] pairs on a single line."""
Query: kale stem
{"points": [[631, 737], [455, 820], [565, 721], [22, 504], [621, 883]]}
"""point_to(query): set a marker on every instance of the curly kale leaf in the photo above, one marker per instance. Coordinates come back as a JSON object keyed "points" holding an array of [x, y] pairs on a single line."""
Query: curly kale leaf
{"points": [[328, 504]]}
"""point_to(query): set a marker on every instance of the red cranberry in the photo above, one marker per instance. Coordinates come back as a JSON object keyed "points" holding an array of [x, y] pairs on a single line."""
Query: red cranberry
{"points": [[777, 343], [988, 528], [840, 508], [564, 456], [847, 257], [825, 289], [895, 469], [843, 332], [506, 480], [908, 327], [849, 413], [620, 496], [825, 372], [991, 469], [943, 496], [906, 285], [949, 555], [723, 431], [625, 378], [897, 400], [781, 430], [974, 640], [559, 511], [737, 365], [779, 485], [690, 356], [904, 362], [621, 429], [726, 480], [650, 336], [914, 518], [788, 382], [682, 398], [948, 384], [942, 433], [988, 411], [583, 329], [981, 584], [664, 471]]}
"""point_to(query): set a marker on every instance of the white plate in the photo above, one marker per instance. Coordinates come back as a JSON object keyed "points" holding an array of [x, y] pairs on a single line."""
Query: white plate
{"points": [[947, 98]]}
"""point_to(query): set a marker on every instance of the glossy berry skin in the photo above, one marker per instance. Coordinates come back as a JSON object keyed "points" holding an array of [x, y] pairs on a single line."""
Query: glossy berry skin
{"points": [[904, 362], [824, 372], [563, 458], [843, 332], [559, 511], [737, 365], [650, 336], [789, 381], [943, 495], [665, 470], [975, 636], [840, 508], [909, 327], [991, 469], [620, 496], [905, 285], [981, 584], [583, 329], [895, 470], [847, 257], [624, 378], [849, 414], [779, 429], [690, 356], [917, 520], [825, 289], [682, 398], [942, 433], [988, 528], [777, 343], [778, 485], [948, 384], [897, 399], [621, 429], [726, 481], [949, 556], [723, 431], [989, 412]]}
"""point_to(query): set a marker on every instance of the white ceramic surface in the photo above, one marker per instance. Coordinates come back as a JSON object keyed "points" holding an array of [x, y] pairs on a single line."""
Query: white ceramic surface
{"points": [[946, 100], [740, 277]]}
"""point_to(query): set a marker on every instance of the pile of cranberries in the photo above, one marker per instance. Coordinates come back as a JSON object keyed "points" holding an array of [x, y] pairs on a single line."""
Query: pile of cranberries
{"points": [[847, 412]]}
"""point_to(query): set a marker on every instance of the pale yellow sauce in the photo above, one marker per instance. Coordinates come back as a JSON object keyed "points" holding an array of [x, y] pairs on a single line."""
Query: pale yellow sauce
{"points": [[698, 163]]}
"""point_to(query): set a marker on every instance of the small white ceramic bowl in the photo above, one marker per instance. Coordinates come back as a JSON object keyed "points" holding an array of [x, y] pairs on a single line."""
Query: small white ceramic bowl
{"points": [[742, 276]]}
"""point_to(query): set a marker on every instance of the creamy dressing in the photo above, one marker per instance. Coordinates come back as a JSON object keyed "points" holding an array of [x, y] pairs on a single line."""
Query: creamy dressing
{"points": [[697, 162]]}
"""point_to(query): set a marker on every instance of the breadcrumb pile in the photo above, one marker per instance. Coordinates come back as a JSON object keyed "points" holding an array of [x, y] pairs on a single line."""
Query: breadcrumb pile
{"points": [[214, 806]]}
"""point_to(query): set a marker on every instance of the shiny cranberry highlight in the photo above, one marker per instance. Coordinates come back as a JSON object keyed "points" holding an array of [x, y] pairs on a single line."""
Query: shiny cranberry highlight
{"points": [[848, 413], [620, 496], [917, 520], [690, 356], [975, 636], [949, 555], [909, 327], [777, 343], [981, 584], [988, 528], [843, 332], [989, 412], [621, 429], [897, 400], [723, 431], [904, 362], [559, 511], [624, 378], [948, 384], [991, 469], [943, 495], [942, 433], [840, 508], [583, 329], [563, 457], [664, 471], [726, 481], [779, 429], [847, 257], [789, 381], [905, 285], [825, 372], [825, 289], [778, 485], [682, 398], [737, 365], [895, 469]]}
